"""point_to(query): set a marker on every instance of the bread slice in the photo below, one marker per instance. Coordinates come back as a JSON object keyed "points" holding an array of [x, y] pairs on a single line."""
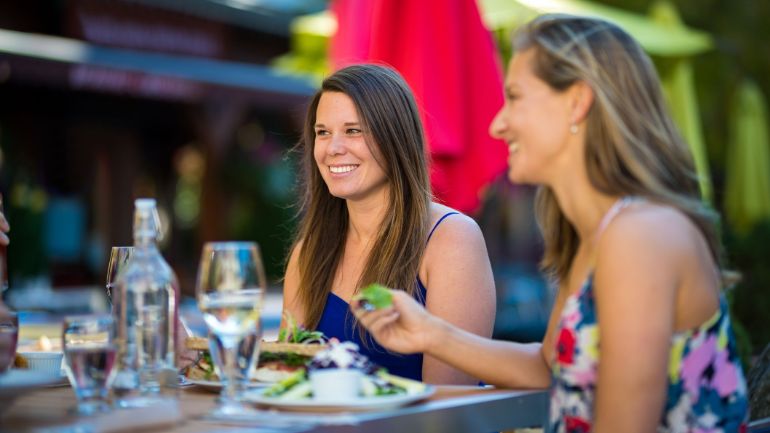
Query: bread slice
{"points": [[202, 343]]}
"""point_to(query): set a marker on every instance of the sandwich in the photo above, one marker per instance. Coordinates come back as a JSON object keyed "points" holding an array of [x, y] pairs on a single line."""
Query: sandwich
{"points": [[277, 359]]}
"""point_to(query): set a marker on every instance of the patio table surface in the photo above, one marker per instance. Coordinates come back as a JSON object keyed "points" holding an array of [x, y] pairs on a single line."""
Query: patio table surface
{"points": [[450, 409]]}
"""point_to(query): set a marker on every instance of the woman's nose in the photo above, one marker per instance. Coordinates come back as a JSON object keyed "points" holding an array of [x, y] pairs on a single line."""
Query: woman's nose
{"points": [[497, 126], [336, 145]]}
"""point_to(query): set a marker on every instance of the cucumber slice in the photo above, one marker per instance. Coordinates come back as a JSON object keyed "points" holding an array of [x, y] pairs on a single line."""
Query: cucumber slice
{"points": [[411, 386], [299, 391]]}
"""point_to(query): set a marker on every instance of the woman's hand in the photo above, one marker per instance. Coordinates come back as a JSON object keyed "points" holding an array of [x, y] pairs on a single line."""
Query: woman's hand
{"points": [[404, 327], [4, 228]]}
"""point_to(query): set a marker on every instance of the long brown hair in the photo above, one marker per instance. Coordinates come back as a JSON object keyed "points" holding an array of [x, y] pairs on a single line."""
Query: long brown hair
{"points": [[391, 123], [632, 144]]}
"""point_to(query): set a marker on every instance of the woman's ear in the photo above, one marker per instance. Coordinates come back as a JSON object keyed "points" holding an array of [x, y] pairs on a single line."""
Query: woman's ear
{"points": [[582, 98]]}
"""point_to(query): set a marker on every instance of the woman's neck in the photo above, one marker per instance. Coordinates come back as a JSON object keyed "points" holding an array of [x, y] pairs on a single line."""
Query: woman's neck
{"points": [[365, 218], [582, 204]]}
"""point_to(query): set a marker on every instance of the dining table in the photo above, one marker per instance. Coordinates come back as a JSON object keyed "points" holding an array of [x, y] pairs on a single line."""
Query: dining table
{"points": [[449, 409]]}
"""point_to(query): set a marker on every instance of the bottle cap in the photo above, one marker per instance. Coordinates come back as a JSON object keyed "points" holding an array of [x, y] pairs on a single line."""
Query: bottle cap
{"points": [[146, 219], [145, 203]]}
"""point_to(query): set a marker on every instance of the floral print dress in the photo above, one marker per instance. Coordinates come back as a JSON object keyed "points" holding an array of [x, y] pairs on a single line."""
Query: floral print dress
{"points": [[706, 386]]}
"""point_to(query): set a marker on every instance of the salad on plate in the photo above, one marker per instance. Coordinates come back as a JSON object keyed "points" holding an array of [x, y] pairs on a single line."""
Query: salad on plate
{"points": [[375, 381]]}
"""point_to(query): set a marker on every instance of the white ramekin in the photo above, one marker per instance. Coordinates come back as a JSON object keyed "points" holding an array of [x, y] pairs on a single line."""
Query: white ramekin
{"points": [[46, 362]]}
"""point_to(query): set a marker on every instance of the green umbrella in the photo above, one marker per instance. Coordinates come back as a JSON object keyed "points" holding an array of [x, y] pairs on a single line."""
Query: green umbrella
{"points": [[662, 35], [747, 183], [678, 81], [656, 37], [310, 35]]}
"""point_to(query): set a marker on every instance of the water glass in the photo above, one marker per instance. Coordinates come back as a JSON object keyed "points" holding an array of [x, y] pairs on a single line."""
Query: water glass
{"points": [[89, 358], [119, 257], [230, 287], [245, 358]]}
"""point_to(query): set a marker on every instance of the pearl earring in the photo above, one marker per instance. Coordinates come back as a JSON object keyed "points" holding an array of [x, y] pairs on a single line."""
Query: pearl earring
{"points": [[573, 129]]}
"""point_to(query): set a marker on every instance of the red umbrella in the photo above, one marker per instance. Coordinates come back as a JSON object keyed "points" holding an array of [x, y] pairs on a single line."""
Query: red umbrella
{"points": [[447, 56]]}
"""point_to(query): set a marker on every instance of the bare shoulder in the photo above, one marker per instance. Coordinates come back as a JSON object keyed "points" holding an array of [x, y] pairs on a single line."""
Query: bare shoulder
{"points": [[664, 229], [456, 242], [457, 274], [455, 227]]}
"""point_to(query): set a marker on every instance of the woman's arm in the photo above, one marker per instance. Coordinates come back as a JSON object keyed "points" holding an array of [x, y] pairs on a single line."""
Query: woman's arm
{"points": [[639, 269], [460, 288], [407, 328], [500, 363], [291, 303]]}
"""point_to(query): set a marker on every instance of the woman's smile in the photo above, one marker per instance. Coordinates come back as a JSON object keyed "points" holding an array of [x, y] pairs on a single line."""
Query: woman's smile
{"points": [[342, 169]]}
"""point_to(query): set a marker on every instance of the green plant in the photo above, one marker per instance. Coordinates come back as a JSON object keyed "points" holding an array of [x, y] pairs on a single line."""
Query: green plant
{"points": [[750, 298]]}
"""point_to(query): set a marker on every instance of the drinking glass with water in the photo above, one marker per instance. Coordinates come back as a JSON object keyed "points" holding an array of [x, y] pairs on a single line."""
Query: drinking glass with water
{"points": [[230, 287], [89, 358]]}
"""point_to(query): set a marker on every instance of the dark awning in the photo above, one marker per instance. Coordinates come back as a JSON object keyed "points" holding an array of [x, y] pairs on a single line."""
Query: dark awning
{"points": [[270, 16], [80, 65]]}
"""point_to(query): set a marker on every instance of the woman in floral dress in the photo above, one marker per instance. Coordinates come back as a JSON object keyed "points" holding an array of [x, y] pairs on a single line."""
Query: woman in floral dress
{"points": [[639, 339]]}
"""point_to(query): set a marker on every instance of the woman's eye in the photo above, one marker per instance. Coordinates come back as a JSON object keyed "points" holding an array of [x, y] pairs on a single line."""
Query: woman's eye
{"points": [[511, 96], [321, 132], [354, 131]]}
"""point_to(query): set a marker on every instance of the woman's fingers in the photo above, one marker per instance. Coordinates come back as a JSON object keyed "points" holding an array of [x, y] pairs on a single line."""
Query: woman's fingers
{"points": [[367, 317], [382, 321], [4, 227], [402, 300]]}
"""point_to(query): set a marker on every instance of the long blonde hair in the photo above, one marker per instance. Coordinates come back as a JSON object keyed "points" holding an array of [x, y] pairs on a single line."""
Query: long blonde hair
{"points": [[632, 144], [391, 123]]}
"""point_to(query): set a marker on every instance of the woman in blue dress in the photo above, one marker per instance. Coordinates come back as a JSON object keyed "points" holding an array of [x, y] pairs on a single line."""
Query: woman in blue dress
{"points": [[367, 216]]}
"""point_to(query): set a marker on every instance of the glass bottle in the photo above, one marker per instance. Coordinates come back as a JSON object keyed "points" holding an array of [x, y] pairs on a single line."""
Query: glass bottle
{"points": [[147, 310]]}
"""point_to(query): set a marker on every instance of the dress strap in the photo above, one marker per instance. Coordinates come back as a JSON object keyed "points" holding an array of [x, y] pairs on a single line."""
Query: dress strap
{"points": [[613, 211], [435, 226]]}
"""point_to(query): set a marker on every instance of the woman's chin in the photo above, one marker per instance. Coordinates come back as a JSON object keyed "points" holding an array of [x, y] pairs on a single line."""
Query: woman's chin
{"points": [[515, 176]]}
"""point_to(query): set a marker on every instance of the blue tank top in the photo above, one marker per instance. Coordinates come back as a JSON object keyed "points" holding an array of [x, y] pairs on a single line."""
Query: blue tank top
{"points": [[338, 321]]}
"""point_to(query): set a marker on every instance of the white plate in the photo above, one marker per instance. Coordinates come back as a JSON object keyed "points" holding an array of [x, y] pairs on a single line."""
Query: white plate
{"points": [[216, 386], [357, 405]]}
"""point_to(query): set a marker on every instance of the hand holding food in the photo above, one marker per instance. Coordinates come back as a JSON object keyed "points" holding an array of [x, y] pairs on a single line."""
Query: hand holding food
{"points": [[404, 326], [373, 297], [4, 226]]}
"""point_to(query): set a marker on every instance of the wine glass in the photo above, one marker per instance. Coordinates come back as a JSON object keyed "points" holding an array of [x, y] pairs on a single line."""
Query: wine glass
{"points": [[119, 257], [230, 287], [89, 359]]}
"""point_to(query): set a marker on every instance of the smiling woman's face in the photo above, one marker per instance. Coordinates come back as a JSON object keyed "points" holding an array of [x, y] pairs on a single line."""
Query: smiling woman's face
{"points": [[534, 122], [341, 152]]}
